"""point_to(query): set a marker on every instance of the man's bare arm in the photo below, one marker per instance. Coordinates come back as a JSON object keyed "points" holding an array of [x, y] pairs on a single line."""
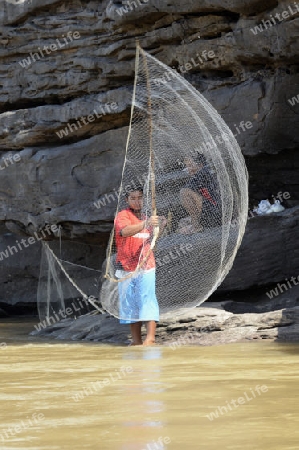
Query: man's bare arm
{"points": [[130, 230]]}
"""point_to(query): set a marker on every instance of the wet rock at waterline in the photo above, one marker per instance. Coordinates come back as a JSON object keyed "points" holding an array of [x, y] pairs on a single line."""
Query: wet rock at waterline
{"points": [[210, 324]]}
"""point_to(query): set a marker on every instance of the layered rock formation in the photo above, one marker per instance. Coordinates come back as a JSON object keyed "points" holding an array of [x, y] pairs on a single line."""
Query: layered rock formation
{"points": [[66, 79]]}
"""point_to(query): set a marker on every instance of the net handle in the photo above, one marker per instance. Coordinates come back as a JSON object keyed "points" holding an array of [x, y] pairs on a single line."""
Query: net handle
{"points": [[152, 159], [156, 231]]}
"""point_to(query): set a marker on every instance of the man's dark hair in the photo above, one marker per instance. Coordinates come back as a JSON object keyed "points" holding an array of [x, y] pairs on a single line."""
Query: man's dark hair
{"points": [[199, 158], [130, 189]]}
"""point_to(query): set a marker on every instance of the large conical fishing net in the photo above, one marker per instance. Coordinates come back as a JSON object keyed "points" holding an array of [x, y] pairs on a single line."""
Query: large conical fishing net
{"points": [[192, 172]]}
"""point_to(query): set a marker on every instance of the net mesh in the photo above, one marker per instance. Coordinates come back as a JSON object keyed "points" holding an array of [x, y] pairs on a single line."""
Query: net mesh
{"points": [[67, 289], [193, 174]]}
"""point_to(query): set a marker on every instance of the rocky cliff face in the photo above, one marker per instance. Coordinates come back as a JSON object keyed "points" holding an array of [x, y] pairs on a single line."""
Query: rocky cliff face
{"points": [[66, 78]]}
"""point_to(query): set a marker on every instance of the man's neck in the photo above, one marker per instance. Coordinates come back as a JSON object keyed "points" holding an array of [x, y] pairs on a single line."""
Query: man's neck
{"points": [[137, 212]]}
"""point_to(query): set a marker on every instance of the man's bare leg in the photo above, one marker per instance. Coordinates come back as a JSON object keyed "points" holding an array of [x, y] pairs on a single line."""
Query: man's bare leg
{"points": [[192, 202], [136, 333], [151, 333]]}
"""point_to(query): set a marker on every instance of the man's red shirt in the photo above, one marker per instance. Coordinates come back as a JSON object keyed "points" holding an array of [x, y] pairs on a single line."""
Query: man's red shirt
{"points": [[132, 250]]}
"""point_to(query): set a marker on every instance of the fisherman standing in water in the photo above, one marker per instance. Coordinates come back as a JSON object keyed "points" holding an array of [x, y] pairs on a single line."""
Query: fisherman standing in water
{"points": [[137, 297]]}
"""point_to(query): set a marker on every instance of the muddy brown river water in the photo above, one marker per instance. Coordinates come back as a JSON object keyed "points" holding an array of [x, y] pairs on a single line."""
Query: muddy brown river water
{"points": [[60, 395]]}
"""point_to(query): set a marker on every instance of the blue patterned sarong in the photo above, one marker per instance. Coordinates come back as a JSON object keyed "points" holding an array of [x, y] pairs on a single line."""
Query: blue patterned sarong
{"points": [[137, 297]]}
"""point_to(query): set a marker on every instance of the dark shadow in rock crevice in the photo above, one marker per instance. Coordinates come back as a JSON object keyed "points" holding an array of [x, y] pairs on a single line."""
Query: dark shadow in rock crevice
{"points": [[289, 331]]}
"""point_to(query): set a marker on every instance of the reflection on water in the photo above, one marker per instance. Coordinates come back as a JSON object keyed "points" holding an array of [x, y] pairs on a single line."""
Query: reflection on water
{"points": [[59, 395], [148, 411]]}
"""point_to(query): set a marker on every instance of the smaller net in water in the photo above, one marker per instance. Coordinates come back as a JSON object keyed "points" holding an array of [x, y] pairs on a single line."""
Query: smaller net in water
{"points": [[65, 288], [193, 173]]}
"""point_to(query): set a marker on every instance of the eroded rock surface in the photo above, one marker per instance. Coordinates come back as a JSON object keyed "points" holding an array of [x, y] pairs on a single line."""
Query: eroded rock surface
{"points": [[91, 67]]}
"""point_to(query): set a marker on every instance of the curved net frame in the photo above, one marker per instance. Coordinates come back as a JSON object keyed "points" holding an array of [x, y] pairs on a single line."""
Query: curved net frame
{"points": [[193, 173]]}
